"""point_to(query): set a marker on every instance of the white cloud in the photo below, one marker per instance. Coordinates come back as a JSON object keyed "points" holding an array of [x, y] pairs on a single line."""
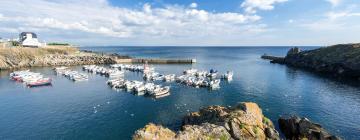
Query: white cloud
{"points": [[331, 21], [291, 21], [251, 6], [341, 14], [99, 18], [334, 2], [193, 5]]}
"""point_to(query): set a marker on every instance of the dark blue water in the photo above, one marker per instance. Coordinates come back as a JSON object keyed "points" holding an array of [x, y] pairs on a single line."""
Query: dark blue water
{"points": [[65, 109]]}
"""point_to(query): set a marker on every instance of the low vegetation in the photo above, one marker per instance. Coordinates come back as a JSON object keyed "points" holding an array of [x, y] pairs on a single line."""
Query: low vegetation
{"points": [[58, 44]]}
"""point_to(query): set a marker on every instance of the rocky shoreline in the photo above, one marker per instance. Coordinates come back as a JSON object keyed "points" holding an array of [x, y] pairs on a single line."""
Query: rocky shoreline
{"points": [[243, 121], [338, 60], [56, 60], [18, 57]]}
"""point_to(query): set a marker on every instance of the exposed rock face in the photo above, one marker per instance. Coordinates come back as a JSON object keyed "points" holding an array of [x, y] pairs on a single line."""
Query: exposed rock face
{"points": [[339, 60], [293, 51], [154, 132], [242, 122], [204, 131], [296, 128]]}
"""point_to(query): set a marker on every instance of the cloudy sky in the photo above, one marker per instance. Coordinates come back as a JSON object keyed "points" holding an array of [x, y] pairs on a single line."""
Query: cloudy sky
{"points": [[184, 22]]}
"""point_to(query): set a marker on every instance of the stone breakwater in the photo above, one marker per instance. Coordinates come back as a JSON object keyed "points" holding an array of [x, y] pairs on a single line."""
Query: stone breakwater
{"points": [[244, 121], [55, 60], [339, 60]]}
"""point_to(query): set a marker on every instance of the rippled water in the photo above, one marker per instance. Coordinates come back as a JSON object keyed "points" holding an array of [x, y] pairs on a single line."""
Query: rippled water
{"points": [[65, 109]]}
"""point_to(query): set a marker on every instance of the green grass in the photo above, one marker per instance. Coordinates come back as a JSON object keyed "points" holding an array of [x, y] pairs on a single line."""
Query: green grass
{"points": [[58, 44]]}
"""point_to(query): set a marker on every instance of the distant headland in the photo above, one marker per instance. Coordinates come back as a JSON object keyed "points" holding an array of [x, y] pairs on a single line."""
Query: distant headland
{"points": [[342, 60]]}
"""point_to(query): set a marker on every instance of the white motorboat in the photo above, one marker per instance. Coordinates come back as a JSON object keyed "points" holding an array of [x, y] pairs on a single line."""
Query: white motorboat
{"points": [[228, 75], [161, 92]]}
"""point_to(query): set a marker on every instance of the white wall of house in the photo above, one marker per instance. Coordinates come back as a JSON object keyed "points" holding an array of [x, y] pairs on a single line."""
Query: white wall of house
{"points": [[30, 41]]}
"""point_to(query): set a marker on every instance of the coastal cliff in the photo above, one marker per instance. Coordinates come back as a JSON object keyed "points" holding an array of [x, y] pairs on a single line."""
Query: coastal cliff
{"points": [[340, 60], [244, 121], [18, 57]]}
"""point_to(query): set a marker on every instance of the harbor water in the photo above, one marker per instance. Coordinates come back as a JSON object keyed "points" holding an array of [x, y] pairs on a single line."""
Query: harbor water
{"points": [[92, 110]]}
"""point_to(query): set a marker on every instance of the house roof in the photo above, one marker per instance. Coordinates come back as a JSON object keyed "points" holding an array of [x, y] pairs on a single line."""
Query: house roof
{"points": [[24, 34]]}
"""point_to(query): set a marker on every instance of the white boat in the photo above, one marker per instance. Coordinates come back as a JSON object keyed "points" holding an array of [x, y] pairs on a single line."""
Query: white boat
{"points": [[140, 89], [39, 82], [168, 78], [161, 92], [228, 76], [214, 84], [190, 71], [116, 73]]}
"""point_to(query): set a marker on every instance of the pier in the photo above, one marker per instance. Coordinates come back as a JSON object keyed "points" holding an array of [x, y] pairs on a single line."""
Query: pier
{"points": [[157, 61]]}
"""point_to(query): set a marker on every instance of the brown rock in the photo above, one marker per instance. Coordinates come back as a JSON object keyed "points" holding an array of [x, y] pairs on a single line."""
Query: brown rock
{"points": [[203, 132], [296, 128], [154, 132], [242, 122]]}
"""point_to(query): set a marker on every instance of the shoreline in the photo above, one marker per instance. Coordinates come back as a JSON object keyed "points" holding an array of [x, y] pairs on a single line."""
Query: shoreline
{"points": [[20, 57]]}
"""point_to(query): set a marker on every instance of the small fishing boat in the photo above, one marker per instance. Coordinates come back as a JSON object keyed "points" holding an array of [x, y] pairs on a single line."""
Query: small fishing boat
{"points": [[228, 75], [168, 78], [190, 71], [212, 74], [39, 82], [214, 84], [161, 92]]}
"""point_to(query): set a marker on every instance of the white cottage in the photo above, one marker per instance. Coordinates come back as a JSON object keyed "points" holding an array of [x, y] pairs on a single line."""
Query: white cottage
{"points": [[29, 39]]}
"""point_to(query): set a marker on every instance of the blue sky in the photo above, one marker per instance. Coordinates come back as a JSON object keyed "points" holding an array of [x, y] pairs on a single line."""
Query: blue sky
{"points": [[184, 22]]}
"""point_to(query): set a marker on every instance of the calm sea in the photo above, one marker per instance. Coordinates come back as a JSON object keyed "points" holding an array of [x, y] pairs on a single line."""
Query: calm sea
{"points": [[65, 110]]}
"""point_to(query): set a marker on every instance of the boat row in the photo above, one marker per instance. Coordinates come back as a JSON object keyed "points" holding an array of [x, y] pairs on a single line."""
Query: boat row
{"points": [[140, 88], [198, 82], [197, 78], [108, 72], [30, 79], [135, 68], [70, 74], [155, 76], [213, 74]]}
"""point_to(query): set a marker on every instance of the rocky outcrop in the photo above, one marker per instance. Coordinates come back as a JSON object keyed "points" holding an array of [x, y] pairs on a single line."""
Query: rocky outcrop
{"points": [[296, 128], [153, 132], [244, 121], [339, 60], [293, 51], [273, 59]]}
